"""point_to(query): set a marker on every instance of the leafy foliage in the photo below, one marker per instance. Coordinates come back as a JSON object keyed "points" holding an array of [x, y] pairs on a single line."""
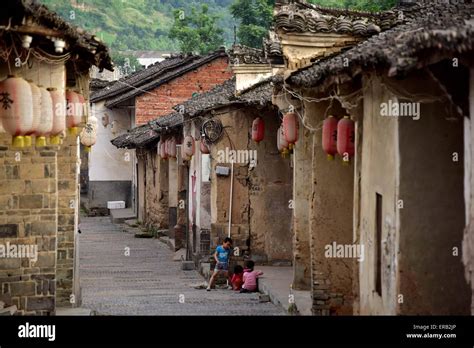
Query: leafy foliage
{"points": [[146, 24], [127, 63], [361, 5], [255, 17], [197, 32]]}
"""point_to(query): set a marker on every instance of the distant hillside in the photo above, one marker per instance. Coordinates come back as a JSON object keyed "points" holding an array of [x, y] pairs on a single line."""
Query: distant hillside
{"points": [[144, 24], [135, 24]]}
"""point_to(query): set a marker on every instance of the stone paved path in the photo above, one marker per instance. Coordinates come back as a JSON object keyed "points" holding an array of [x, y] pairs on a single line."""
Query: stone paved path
{"points": [[148, 282]]}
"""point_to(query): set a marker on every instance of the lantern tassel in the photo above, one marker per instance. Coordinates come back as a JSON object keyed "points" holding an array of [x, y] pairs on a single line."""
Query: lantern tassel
{"points": [[28, 141], [55, 140], [40, 141], [73, 131], [18, 141]]}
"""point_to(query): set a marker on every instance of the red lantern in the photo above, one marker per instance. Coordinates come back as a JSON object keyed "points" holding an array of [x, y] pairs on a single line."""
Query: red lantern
{"points": [[172, 148], [83, 106], [162, 149], [59, 114], [258, 129], [74, 111], [346, 138], [188, 147], [282, 144], [330, 137], [46, 119], [16, 108], [290, 128], [204, 147]]}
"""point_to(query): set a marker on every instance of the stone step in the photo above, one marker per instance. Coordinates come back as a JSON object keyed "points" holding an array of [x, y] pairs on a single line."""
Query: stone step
{"points": [[8, 311], [119, 216]]}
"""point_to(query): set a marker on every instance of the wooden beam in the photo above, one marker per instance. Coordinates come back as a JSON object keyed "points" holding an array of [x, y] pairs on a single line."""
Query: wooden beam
{"points": [[37, 30]]}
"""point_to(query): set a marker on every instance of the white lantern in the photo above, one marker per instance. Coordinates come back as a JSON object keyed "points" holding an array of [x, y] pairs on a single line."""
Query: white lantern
{"points": [[59, 115], [92, 120], [88, 137], [46, 119], [188, 147], [36, 94], [16, 108]]}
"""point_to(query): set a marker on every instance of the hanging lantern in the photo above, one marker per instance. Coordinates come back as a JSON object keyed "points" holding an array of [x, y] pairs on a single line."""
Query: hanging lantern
{"points": [[82, 106], [46, 118], [163, 154], [88, 137], [16, 108], [36, 98], [282, 144], [258, 129], [346, 138], [167, 146], [290, 128], [59, 115], [330, 137], [92, 120], [74, 112], [172, 147], [204, 147], [188, 148]]}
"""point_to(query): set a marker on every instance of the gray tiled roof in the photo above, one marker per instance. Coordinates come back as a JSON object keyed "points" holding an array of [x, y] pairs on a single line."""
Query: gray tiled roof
{"points": [[300, 16], [89, 48], [439, 28], [152, 77]]}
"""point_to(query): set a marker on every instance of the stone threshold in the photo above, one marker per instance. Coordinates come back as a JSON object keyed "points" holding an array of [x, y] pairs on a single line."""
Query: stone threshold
{"points": [[276, 283]]}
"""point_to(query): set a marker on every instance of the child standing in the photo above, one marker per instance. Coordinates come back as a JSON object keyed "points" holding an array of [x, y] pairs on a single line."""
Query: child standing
{"points": [[237, 278], [222, 258], [250, 277]]}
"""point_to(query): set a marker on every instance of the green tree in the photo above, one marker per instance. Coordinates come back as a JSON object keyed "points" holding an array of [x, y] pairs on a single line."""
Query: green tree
{"points": [[197, 32], [126, 63], [362, 5], [255, 17]]}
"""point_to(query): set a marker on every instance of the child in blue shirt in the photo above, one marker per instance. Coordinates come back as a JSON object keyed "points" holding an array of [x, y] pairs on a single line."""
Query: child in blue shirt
{"points": [[222, 261]]}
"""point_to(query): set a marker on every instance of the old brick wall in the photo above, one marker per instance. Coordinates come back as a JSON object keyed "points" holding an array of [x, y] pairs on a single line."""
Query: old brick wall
{"points": [[28, 216], [149, 107], [68, 196]]}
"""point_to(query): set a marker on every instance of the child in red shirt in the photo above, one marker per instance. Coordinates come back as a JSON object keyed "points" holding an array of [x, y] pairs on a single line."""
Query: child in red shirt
{"points": [[237, 278]]}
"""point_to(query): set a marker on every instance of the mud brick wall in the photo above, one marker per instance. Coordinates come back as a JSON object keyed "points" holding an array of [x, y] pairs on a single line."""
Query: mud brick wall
{"points": [[157, 215], [68, 197], [28, 216]]}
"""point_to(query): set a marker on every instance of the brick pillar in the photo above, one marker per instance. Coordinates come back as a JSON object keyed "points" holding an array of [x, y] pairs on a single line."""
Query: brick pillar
{"points": [[28, 221], [68, 192]]}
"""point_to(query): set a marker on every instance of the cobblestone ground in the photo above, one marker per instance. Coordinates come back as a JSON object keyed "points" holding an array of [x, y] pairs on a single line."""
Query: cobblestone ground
{"points": [[148, 282]]}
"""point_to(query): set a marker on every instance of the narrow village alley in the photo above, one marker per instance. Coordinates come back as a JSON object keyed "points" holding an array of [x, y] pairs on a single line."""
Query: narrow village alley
{"points": [[148, 281]]}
